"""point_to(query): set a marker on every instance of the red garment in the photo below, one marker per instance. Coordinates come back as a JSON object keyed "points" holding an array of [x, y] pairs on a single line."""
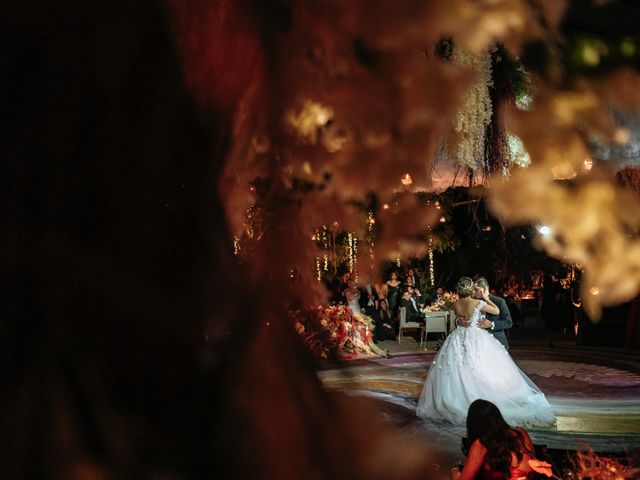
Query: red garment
{"points": [[476, 467]]}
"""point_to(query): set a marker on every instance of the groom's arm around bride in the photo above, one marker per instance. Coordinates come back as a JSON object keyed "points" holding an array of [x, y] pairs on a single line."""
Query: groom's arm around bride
{"points": [[498, 324]]}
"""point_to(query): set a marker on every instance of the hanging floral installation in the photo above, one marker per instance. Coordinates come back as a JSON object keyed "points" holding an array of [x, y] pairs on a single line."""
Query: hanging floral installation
{"points": [[473, 116], [589, 220], [518, 156]]}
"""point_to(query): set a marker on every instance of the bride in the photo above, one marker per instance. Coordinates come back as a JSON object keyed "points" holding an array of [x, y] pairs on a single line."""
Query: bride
{"points": [[472, 364]]}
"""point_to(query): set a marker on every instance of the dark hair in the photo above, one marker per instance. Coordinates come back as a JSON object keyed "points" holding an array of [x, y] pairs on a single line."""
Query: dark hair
{"points": [[485, 423]]}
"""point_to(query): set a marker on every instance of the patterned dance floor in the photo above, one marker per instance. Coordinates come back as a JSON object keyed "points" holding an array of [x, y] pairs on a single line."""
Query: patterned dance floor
{"points": [[595, 394]]}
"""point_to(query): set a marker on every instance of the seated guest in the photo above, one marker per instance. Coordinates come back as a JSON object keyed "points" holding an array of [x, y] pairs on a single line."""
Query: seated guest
{"points": [[411, 306], [496, 450], [385, 323], [418, 297]]}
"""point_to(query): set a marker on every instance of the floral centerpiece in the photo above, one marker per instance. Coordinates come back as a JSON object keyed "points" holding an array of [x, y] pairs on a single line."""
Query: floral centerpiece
{"points": [[442, 303], [335, 331]]}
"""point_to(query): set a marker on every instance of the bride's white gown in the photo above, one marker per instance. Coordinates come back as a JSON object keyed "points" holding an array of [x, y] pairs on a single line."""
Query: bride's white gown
{"points": [[472, 364], [354, 302]]}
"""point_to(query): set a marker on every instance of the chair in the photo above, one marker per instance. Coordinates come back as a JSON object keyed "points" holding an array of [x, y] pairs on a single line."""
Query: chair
{"points": [[404, 324], [436, 322]]}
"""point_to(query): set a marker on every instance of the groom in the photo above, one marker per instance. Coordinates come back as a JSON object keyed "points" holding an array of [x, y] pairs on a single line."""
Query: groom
{"points": [[495, 324]]}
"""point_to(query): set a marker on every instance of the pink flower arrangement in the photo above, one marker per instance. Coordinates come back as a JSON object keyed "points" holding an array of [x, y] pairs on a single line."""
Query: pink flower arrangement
{"points": [[335, 331]]}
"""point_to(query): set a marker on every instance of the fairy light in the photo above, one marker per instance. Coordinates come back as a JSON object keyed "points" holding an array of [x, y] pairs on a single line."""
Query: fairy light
{"points": [[355, 259], [326, 262], [318, 270], [370, 222], [350, 251], [398, 260], [249, 222], [236, 245], [432, 276]]}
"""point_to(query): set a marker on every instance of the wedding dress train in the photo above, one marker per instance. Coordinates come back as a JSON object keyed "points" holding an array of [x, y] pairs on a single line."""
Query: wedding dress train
{"points": [[472, 364]]}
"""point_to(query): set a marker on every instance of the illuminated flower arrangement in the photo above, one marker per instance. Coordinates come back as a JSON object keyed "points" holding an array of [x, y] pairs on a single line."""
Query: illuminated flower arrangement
{"points": [[588, 465], [445, 302], [335, 331]]}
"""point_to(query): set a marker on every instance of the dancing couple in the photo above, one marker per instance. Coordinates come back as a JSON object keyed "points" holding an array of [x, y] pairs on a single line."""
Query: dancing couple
{"points": [[474, 364]]}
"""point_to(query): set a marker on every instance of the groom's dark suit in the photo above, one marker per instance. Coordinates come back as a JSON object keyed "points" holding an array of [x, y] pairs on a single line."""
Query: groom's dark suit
{"points": [[502, 321]]}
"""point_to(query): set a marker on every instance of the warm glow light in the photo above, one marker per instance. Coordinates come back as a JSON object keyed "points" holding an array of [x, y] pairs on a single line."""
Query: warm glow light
{"points": [[443, 219], [406, 180], [544, 230], [594, 291], [385, 206], [587, 164]]}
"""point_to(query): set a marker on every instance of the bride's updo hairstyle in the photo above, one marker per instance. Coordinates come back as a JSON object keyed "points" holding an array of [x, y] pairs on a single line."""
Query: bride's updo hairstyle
{"points": [[464, 288]]}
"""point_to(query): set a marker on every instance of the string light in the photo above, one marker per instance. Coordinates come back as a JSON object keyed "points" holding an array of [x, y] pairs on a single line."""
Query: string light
{"points": [[370, 222], [236, 245], [249, 222], [350, 251], [318, 271], [432, 276], [326, 262], [355, 259], [398, 260]]}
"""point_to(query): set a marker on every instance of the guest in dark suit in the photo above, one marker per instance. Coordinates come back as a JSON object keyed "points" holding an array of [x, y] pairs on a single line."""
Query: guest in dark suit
{"points": [[411, 306], [496, 324], [437, 295], [417, 296]]}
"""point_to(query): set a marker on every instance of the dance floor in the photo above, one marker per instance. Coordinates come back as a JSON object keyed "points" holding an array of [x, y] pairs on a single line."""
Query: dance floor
{"points": [[594, 392]]}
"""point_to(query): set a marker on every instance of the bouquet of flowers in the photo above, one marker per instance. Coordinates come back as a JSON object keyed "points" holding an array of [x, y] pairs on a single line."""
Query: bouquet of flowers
{"points": [[335, 331], [444, 302]]}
